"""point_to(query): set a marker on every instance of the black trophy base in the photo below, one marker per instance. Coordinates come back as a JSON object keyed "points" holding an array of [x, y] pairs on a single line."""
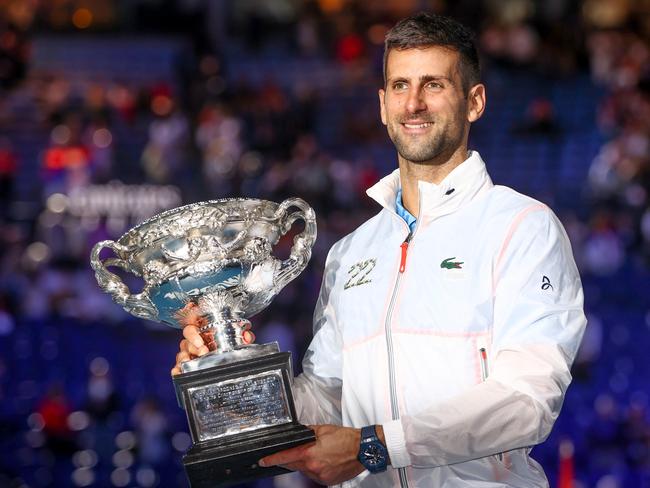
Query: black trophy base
{"points": [[238, 413], [226, 465]]}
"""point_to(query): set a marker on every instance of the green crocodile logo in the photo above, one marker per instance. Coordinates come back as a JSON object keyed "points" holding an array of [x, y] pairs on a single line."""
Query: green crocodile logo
{"points": [[450, 264]]}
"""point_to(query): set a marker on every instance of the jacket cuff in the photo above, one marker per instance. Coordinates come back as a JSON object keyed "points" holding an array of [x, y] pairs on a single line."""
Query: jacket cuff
{"points": [[396, 444]]}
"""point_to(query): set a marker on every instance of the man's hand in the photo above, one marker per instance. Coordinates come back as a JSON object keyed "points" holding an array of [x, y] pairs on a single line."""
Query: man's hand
{"points": [[330, 460], [191, 347], [194, 344]]}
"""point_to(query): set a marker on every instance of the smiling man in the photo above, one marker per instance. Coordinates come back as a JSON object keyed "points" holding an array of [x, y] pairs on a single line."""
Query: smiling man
{"points": [[440, 353]]}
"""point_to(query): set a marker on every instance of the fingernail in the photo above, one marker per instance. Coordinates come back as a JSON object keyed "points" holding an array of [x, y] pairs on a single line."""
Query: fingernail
{"points": [[262, 463]]}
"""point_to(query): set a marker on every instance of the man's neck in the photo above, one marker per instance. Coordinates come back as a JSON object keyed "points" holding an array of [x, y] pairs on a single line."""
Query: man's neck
{"points": [[431, 172]]}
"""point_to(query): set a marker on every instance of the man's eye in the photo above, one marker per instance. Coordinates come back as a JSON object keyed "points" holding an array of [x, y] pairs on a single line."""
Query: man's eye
{"points": [[434, 85], [399, 86]]}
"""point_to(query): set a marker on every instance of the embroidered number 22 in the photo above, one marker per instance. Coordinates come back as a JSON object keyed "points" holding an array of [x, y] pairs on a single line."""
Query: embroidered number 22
{"points": [[359, 273]]}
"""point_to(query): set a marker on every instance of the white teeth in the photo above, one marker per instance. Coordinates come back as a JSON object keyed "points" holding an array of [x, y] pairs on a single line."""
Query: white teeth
{"points": [[418, 126]]}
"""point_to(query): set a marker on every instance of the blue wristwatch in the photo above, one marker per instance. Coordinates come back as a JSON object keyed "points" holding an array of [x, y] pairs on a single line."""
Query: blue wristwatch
{"points": [[373, 455]]}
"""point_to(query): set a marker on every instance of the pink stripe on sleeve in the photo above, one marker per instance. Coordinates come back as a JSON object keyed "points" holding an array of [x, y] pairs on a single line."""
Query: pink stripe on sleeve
{"points": [[506, 242]]}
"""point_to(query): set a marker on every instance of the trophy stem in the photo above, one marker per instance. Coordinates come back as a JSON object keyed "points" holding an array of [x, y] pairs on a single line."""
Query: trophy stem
{"points": [[225, 331]]}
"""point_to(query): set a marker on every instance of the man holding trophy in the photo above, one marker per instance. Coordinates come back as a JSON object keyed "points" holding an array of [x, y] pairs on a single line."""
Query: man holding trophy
{"points": [[447, 324]]}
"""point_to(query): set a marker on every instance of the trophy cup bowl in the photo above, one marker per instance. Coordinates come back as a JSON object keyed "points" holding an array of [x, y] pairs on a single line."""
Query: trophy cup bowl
{"points": [[217, 256]]}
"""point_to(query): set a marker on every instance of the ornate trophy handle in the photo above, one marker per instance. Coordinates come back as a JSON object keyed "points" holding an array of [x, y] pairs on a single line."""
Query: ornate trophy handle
{"points": [[139, 304], [302, 243]]}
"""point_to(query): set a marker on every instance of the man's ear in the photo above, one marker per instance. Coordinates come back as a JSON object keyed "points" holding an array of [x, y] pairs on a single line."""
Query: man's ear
{"points": [[476, 102], [382, 106]]}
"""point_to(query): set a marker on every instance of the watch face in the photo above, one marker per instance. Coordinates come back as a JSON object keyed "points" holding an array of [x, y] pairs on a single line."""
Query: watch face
{"points": [[372, 455]]}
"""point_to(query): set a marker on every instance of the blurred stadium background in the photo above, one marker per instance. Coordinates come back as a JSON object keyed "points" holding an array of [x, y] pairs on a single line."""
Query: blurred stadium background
{"points": [[111, 111]]}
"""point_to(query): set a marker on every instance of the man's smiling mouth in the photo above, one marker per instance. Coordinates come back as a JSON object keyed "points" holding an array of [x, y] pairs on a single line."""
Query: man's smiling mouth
{"points": [[423, 125]]}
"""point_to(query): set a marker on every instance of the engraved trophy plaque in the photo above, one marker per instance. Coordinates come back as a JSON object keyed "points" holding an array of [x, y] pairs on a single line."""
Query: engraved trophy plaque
{"points": [[217, 256]]}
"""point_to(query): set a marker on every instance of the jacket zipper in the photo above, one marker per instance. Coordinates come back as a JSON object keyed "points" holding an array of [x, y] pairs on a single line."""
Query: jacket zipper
{"points": [[482, 352], [484, 366], [389, 341], [405, 248]]}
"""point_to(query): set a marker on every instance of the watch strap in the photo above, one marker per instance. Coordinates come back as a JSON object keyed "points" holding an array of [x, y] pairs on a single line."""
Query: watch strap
{"points": [[369, 434]]}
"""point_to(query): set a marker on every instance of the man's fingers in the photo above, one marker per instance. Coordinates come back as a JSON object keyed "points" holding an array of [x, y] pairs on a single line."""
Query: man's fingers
{"points": [[191, 333], [248, 337], [192, 345], [192, 350], [196, 352], [186, 353], [182, 356], [286, 457]]}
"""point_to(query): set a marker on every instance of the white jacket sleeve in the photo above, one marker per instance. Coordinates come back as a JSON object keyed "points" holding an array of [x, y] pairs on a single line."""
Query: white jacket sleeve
{"points": [[317, 391], [537, 328]]}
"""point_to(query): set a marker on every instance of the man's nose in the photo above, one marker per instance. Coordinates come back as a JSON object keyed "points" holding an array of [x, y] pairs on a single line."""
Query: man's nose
{"points": [[415, 101]]}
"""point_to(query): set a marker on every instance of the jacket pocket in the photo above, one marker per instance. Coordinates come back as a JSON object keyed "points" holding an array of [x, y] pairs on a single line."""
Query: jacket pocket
{"points": [[485, 372]]}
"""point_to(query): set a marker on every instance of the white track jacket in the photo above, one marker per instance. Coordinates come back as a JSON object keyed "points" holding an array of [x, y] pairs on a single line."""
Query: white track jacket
{"points": [[398, 333]]}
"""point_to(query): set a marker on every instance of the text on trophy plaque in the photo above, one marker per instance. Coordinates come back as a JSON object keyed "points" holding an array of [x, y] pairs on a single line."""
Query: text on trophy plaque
{"points": [[239, 405]]}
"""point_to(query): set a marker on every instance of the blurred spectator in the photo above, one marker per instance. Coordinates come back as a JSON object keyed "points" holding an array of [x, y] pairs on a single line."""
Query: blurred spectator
{"points": [[151, 432], [97, 136], [123, 100], [218, 136], [309, 172], [349, 48], [270, 132], [8, 169], [165, 154], [516, 44], [636, 432], [590, 350], [102, 397], [604, 435], [54, 96], [7, 322], [54, 410], [603, 249], [13, 53], [307, 31], [66, 163], [540, 119]]}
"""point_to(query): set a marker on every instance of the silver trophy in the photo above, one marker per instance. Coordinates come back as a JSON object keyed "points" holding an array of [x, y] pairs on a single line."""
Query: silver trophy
{"points": [[215, 259]]}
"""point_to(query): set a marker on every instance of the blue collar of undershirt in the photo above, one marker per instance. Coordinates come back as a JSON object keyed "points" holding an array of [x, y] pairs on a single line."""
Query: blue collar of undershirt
{"points": [[402, 212]]}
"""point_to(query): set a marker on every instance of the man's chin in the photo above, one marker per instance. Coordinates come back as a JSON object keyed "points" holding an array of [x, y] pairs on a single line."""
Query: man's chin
{"points": [[423, 161], [418, 157]]}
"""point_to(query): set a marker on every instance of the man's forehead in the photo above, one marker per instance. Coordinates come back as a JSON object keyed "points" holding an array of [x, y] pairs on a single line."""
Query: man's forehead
{"points": [[436, 61]]}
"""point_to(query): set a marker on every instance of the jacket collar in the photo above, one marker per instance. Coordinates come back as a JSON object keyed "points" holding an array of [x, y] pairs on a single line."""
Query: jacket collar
{"points": [[467, 180]]}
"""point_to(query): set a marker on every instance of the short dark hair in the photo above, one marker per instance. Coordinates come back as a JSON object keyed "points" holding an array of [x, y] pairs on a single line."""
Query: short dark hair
{"points": [[425, 30]]}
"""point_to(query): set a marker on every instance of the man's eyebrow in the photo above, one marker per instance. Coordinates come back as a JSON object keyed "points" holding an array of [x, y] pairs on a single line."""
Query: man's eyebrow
{"points": [[427, 78], [423, 79], [396, 79]]}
